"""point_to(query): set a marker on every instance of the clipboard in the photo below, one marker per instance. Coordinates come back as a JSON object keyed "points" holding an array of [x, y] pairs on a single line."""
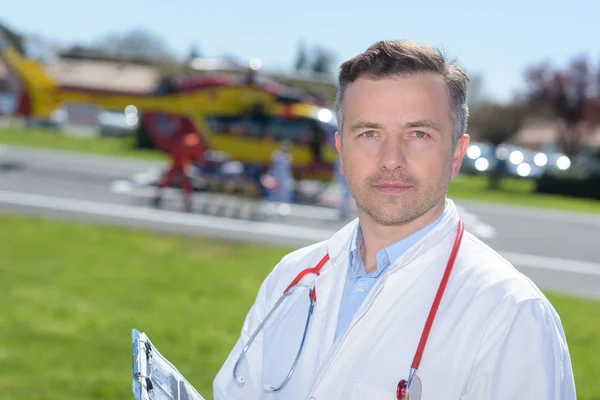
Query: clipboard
{"points": [[153, 376]]}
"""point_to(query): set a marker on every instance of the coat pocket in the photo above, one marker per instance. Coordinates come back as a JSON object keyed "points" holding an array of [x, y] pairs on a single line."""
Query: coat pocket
{"points": [[366, 391]]}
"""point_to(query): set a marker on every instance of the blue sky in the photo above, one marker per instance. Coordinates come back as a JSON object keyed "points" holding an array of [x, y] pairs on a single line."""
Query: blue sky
{"points": [[497, 39]]}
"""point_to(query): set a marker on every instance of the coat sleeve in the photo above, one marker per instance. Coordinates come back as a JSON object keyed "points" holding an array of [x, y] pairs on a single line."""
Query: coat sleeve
{"points": [[251, 366], [523, 357]]}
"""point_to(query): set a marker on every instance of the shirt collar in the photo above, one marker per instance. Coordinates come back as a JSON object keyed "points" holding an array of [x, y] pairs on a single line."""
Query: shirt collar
{"points": [[387, 255]]}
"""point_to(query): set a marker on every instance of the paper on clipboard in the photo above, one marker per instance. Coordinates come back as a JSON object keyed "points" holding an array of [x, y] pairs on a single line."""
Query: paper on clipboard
{"points": [[153, 376]]}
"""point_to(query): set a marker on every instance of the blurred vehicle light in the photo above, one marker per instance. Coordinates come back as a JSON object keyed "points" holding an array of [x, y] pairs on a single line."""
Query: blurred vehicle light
{"points": [[540, 159], [563, 162], [255, 63], [524, 169], [474, 152], [516, 157], [325, 115], [482, 164], [502, 153]]}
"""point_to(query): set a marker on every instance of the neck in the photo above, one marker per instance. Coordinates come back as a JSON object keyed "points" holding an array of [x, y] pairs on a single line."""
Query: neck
{"points": [[377, 236]]}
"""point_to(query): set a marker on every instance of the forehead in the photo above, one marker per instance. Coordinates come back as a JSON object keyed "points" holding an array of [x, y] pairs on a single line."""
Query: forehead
{"points": [[397, 98]]}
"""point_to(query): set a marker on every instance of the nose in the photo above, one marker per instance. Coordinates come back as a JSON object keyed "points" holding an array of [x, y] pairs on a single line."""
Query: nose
{"points": [[392, 154]]}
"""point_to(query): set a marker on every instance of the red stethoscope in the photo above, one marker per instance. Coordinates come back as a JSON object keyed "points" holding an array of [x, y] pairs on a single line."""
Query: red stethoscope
{"points": [[406, 389]]}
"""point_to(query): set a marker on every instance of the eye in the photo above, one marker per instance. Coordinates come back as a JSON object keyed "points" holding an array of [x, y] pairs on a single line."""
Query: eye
{"points": [[420, 134], [369, 134]]}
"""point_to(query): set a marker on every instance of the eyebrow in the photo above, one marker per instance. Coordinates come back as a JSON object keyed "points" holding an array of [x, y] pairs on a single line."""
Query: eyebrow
{"points": [[424, 123], [365, 125]]}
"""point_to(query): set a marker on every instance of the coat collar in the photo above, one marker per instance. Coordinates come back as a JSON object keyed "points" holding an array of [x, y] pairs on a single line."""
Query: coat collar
{"points": [[342, 240], [330, 285]]}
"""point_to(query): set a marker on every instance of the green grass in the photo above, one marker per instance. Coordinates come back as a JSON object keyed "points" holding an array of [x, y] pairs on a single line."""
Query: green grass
{"points": [[70, 294], [514, 191], [581, 321], [518, 192], [48, 139]]}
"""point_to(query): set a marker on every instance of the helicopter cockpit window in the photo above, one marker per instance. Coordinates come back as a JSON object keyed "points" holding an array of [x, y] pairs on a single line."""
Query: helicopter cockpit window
{"points": [[298, 131], [244, 126], [220, 125], [253, 126]]}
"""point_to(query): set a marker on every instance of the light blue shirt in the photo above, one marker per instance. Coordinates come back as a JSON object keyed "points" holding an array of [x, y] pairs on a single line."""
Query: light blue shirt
{"points": [[359, 283]]}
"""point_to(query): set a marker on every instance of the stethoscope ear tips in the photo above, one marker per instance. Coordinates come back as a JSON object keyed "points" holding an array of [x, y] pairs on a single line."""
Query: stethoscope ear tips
{"points": [[240, 380]]}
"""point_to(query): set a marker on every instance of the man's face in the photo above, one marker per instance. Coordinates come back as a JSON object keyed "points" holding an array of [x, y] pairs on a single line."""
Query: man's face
{"points": [[396, 146]]}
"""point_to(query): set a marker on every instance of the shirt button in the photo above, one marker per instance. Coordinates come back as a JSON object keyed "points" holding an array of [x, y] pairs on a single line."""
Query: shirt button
{"points": [[360, 288]]}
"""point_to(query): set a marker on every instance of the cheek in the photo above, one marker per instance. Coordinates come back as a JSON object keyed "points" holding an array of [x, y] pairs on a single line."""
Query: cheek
{"points": [[428, 162], [357, 165], [425, 148], [368, 145]]}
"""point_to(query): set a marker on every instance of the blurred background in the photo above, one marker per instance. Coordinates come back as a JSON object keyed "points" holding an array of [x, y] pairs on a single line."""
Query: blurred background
{"points": [[97, 104]]}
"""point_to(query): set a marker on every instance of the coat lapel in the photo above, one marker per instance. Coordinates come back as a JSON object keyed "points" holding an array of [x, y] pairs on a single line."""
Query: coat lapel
{"points": [[330, 287], [331, 369]]}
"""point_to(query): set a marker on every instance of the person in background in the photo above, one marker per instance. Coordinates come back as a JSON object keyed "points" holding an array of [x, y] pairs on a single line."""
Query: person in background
{"points": [[345, 195], [281, 171], [187, 151]]}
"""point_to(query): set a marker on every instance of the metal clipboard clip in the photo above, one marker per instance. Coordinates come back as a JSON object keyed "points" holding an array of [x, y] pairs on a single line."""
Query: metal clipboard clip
{"points": [[153, 376], [141, 352]]}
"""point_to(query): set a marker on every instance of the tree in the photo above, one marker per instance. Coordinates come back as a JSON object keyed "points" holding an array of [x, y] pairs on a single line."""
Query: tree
{"points": [[301, 63], [86, 52], [496, 123], [323, 61], [193, 53], [12, 38], [476, 92], [136, 45], [564, 93]]}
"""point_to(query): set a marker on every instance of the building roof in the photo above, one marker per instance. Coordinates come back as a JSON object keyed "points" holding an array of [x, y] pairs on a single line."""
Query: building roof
{"points": [[106, 75], [536, 134]]}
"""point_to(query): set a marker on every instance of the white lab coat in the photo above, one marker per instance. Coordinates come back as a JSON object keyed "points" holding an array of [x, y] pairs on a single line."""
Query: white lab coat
{"points": [[495, 337]]}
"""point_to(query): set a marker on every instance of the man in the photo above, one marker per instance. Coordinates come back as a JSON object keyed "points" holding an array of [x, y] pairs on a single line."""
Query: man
{"points": [[187, 150], [403, 113], [281, 171]]}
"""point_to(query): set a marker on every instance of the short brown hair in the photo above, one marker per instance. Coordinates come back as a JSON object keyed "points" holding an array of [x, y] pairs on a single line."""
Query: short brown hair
{"points": [[390, 58]]}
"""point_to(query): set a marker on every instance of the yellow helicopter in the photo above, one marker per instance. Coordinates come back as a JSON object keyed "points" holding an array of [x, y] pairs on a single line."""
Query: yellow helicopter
{"points": [[245, 118]]}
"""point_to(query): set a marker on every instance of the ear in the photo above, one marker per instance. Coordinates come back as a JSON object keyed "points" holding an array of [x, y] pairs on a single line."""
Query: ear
{"points": [[338, 146], [459, 153]]}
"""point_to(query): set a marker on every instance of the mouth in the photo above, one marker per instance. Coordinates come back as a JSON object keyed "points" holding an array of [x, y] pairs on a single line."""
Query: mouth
{"points": [[391, 187]]}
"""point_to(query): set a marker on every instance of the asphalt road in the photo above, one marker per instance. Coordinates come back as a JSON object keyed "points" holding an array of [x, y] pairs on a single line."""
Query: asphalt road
{"points": [[557, 250]]}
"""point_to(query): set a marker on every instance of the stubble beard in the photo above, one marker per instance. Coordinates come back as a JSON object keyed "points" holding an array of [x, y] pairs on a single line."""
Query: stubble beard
{"points": [[391, 210]]}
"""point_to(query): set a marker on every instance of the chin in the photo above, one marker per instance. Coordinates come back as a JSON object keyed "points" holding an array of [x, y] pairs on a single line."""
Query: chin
{"points": [[383, 216]]}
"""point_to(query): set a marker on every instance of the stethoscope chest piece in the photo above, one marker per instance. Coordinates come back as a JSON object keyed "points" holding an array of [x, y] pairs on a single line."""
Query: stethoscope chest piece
{"points": [[415, 388], [404, 392]]}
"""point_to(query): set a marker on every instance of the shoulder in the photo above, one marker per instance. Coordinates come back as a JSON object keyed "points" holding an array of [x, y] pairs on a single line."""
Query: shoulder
{"points": [[507, 305], [484, 271], [309, 256], [302, 256], [500, 295], [512, 326], [290, 266]]}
